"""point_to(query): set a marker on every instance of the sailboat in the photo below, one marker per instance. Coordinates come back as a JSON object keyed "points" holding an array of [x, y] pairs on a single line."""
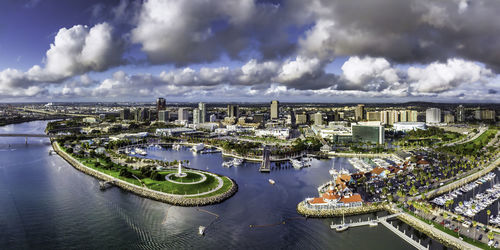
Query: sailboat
{"points": [[341, 227]]}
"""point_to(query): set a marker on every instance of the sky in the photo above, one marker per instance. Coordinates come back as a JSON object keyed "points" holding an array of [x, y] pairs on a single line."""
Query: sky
{"points": [[250, 51]]}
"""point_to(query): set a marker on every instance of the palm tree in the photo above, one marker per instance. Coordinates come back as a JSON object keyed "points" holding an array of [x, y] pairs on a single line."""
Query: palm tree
{"points": [[474, 224]]}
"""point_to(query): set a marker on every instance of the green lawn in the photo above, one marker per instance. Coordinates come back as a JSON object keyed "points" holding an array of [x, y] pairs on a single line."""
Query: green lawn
{"points": [[162, 185], [190, 177]]}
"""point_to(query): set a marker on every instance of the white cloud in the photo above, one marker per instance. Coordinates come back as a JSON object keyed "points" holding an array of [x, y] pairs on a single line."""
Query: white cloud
{"points": [[438, 77], [363, 72]]}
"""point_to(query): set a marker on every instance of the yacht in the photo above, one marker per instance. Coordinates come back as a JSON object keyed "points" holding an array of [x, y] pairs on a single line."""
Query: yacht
{"points": [[373, 223], [198, 147], [140, 151], [176, 146], [272, 181], [297, 164], [227, 164], [340, 227], [237, 162], [201, 230]]}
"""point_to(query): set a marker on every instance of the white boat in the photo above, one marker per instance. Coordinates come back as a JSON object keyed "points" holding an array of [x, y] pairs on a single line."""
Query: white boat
{"points": [[297, 164], [201, 230], [140, 151], [340, 227], [373, 223], [227, 164], [271, 181], [176, 146], [198, 147], [237, 162]]}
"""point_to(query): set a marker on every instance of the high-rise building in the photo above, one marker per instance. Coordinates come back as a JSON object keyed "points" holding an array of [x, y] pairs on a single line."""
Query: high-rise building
{"points": [[213, 118], [163, 116], [196, 116], [275, 107], [373, 116], [413, 116], [232, 111], [301, 118], [183, 114], [433, 115], [460, 113], [161, 104], [318, 119], [359, 112], [403, 115], [449, 118], [141, 114], [368, 133], [125, 114], [484, 114], [203, 112]]}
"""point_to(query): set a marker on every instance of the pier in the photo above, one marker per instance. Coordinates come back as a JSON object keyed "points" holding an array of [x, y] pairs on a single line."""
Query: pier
{"points": [[103, 185], [265, 166], [383, 221]]}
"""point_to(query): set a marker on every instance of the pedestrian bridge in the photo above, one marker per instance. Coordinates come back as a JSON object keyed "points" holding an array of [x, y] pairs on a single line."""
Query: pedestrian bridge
{"points": [[27, 135]]}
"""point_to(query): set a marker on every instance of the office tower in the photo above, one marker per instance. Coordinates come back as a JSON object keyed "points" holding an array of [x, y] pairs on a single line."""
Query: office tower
{"points": [[373, 116], [125, 114], [213, 118], [196, 116], [141, 114], [232, 111], [203, 112], [292, 118], [275, 106], [449, 118], [484, 114], [301, 119], [183, 114], [403, 115], [368, 133], [433, 115], [163, 116], [359, 112], [460, 113], [318, 119], [161, 104]]}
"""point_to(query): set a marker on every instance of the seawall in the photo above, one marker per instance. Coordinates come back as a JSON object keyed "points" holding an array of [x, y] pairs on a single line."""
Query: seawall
{"points": [[176, 200]]}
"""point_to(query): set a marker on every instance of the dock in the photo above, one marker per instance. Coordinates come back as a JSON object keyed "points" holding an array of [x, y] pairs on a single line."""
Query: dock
{"points": [[383, 221], [265, 166]]}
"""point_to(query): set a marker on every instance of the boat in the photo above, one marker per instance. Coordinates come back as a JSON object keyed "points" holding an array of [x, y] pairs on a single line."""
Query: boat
{"points": [[297, 164], [340, 227], [237, 162], [140, 151], [227, 164], [198, 147], [201, 230], [271, 181], [176, 146], [373, 223]]}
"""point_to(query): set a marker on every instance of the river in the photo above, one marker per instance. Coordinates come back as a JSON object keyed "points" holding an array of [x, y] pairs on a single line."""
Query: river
{"points": [[46, 203]]}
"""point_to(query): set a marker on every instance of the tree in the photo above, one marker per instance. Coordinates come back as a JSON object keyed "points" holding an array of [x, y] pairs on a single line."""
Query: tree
{"points": [[488, 212]]}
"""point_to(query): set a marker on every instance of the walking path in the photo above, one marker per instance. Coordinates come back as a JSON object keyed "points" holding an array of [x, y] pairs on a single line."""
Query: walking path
{"points": [[465, 140]]}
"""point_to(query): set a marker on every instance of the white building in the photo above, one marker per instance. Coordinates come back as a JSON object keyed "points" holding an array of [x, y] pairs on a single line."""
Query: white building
{"points": [[183, 114], [433, 115], [281, 133], [408, 126], [318, 119], [196, 116]]}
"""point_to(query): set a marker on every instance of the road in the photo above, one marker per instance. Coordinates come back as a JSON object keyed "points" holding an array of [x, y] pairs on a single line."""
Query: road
{"points": [[468, 139]]}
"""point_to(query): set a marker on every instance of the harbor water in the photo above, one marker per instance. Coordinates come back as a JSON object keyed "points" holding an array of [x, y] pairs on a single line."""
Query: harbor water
{"points": [[46, 203]]}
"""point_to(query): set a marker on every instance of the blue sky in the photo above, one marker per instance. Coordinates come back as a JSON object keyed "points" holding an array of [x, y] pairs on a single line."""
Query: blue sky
{"points": [[317, 51]]}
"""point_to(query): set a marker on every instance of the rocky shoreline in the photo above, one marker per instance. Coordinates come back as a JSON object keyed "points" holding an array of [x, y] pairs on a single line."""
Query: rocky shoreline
{"points": [[176, 200], [303, 210]]}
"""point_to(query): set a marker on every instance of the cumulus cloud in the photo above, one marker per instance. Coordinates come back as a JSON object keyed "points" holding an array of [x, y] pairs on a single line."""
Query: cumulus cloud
{"points": [[368, 73], [438, 77]]}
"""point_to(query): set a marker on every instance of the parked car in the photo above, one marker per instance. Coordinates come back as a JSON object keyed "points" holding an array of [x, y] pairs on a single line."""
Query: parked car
{"points": [[480, 237]]}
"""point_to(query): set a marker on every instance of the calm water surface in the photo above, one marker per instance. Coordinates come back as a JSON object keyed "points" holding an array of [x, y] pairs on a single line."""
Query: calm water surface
{"points": [[47, 204]]}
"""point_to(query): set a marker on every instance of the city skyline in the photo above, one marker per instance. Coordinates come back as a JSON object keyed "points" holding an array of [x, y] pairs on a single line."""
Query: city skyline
{"points": [[325, 52]]}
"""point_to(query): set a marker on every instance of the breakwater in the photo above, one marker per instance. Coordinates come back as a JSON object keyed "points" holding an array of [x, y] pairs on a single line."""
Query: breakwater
{"points": [[325, 213], [177, 200]]}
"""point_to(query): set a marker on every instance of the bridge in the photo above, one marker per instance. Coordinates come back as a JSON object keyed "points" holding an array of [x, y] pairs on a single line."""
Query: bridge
{"points": [[29, 135], [265, 166]]}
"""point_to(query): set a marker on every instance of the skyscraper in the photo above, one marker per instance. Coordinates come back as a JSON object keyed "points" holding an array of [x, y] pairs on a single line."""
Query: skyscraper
{"points": [[433, 115], [163, 116], [460, 113], [203, 112], [318, 119], [161, 104], [275, 106], [125, 114], [196, 116], [232, 111], [359, 112], [183, 114]]}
